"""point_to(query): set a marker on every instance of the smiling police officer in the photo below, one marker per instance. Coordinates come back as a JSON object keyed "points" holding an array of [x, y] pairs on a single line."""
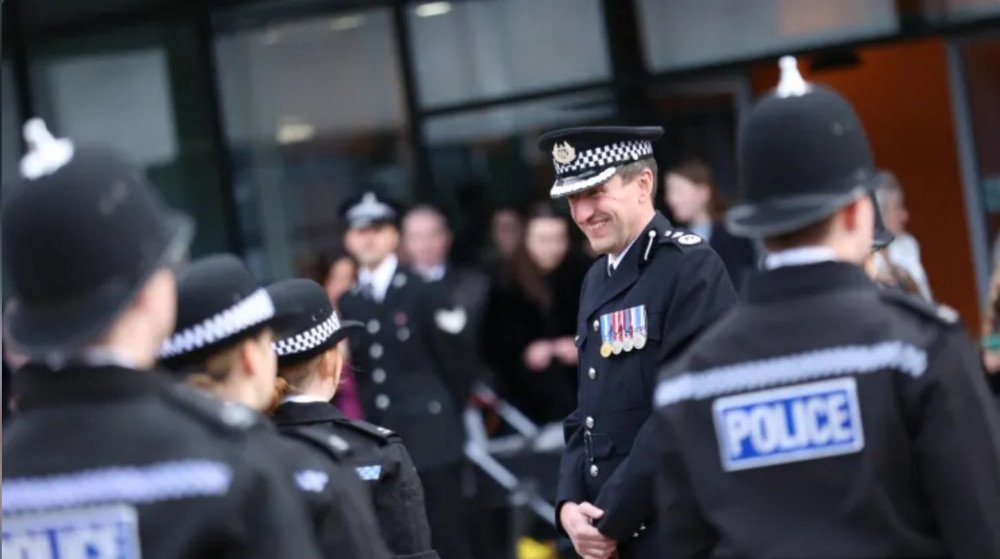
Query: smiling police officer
{"points": [[656, 289], [825, 417]]}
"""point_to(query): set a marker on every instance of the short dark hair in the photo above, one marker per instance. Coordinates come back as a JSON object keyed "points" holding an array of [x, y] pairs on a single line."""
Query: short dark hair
{"points": [[811, 234], [629, 172]]}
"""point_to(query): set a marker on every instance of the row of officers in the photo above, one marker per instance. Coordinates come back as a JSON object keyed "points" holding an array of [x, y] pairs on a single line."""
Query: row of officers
{"points": [[175, 409], [816, 416]]}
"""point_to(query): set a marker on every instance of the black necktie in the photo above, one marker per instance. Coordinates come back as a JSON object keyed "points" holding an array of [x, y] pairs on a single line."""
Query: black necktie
{"points": [[367, 291]]}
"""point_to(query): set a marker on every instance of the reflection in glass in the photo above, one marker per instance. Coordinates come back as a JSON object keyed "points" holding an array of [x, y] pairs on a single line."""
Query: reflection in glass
{"points": [[680, 33], [486, 49], [982, 70], [485, 159], [313, 111]]}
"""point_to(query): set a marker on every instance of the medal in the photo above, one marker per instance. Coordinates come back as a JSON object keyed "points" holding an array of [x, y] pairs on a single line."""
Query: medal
{"points": [[640, 327], [627, 342], [606, 347], [617, 332]]}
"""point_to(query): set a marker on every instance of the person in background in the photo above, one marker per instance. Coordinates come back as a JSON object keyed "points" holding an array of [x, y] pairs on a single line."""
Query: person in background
{"points": [[696, 203], [338, 274], [530, 320], [426, 244], [222, 346], [415, 363], [506, 230], [991, 334], [904, 251]]}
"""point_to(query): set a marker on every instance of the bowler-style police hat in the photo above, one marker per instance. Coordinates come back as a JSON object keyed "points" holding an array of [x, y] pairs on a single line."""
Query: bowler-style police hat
{"points": [[588, 157], [803, 155], [367, 209], [83, 231], [306, 324], [219, 303]]}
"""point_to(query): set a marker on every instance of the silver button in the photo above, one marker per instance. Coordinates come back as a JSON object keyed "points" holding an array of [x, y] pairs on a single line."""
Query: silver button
{"points": [[590, 422], [375, 351], [373, 326], [592, 373], [597, 325], [381, 401], [378, 375], [594, 470], [434, 407], [403, 334]]}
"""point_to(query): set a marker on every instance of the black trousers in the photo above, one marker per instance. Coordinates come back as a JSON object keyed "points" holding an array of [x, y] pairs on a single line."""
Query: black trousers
{"points": [[447, 510]]}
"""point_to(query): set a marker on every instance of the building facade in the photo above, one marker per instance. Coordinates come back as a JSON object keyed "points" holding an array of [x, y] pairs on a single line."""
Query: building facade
{"points": [[260, 116]]}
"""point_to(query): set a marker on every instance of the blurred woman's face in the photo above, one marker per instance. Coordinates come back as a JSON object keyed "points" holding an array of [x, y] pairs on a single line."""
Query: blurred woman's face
{"points": [[547, 242], [340, 278], [687, 200]]}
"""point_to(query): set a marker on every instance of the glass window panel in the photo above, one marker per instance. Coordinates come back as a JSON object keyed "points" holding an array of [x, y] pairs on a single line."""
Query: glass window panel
{"points": [[982, 69], [122, 98], [485, 159], [313, 112], [680, 33], [124, 89], [10, 121], [487, 49], [968, 9]]}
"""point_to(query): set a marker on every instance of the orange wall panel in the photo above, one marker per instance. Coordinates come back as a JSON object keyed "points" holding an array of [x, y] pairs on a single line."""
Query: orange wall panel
{"points": [[901, 93]]}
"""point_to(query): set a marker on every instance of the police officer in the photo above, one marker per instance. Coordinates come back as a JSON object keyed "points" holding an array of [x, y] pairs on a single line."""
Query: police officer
{"points": [[825, 417], [222, 344], [307, 332], [106, 457], [656, 289], [414, 365]]}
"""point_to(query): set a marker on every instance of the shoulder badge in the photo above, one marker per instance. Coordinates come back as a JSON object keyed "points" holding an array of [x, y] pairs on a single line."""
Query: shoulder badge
{"points": [[935, 311], [377, 432]]}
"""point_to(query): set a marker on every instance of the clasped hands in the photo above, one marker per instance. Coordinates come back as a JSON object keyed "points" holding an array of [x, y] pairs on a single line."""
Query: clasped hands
{"points": [[589, 543]]}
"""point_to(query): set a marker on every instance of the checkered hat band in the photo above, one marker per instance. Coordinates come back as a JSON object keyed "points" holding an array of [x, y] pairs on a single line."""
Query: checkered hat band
{"points": [[370, 209], [310, 339], [242, 316], [604, 156]]}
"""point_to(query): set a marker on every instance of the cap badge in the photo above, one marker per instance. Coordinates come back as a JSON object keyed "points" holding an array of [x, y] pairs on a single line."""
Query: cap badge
{"points": [[46, 154], [563, 153]]}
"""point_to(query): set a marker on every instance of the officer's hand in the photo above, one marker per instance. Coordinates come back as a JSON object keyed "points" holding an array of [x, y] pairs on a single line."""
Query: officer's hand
{"points": [[588, 542], [565, 350], [538, 355]]}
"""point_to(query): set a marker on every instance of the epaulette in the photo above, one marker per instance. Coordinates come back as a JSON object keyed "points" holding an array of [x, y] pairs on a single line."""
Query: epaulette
{"points": [[935, 312], [379, 433], [681, 240], [332, 445], [224, 416]]}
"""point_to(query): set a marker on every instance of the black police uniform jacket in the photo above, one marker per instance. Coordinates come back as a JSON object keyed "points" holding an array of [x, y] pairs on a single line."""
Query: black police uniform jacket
{"points": [[414, 366], [343, 519], [826, 417], [609, 446], [122, 462], [381, 460]]}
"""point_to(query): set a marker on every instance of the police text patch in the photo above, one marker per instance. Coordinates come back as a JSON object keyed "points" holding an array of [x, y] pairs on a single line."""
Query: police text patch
{"points": [[107, 532], [792, 424]]}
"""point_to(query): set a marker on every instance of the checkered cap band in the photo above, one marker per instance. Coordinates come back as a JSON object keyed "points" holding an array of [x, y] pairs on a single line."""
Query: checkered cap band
{"points": [[242, 316], [605, 156], [310, 339]]}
